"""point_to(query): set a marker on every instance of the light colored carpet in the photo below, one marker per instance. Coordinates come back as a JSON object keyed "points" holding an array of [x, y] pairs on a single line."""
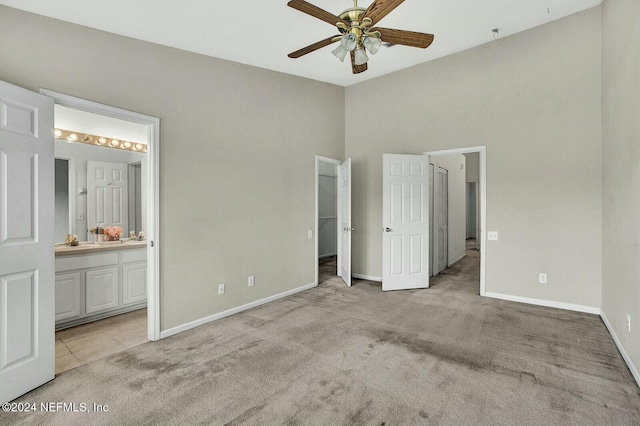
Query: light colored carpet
{"points": [[338, 355]]}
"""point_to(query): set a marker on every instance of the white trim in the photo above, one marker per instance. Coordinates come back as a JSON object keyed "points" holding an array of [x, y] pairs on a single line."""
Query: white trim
{"points": [[232, 311], [153, 181], [623, 352], [547, 303], [367, 277], [483, 204], [457, 260]]}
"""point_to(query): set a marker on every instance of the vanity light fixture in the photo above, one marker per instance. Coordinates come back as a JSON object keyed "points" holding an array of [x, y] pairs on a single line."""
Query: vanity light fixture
{"points": [[96, 140]]}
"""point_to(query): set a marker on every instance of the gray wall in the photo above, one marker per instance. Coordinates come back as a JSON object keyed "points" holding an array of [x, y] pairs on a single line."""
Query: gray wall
{"points": [[621, 171], [237, 154], [534, 100]]}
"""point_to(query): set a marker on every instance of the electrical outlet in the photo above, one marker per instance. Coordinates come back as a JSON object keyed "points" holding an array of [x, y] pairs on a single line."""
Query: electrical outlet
{"points": [[629, 323], [220, 288], [252, 280], [542, 278], [492, 235], [310, 233]]}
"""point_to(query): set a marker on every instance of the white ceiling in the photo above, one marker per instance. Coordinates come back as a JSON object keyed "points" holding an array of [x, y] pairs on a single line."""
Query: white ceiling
{"points": [[263, 32]]}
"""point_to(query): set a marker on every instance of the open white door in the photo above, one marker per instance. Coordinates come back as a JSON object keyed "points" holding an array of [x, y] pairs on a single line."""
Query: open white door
{"points": [[344, 221], [107, 195], [405, 222], [27, 289]]}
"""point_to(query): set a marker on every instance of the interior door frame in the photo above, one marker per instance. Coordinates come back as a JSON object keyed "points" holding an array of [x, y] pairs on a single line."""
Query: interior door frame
{"points": [[482, 150], [322, 159], [153, 194]]}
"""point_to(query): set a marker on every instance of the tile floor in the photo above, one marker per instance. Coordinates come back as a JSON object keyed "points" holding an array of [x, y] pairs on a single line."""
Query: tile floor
{"points": [[89, 342]]}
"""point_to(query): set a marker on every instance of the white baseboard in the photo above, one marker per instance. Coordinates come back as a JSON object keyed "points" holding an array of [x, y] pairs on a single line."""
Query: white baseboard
{"points": [[228, 312], [625, 355], [457, 260], [547, 303], [367, 277]]}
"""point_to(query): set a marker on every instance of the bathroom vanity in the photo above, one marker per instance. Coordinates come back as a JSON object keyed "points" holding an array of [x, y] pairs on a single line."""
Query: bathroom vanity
{"points": [[99, 280]]}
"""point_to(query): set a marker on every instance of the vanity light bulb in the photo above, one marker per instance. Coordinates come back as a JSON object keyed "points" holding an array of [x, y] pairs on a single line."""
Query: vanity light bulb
{"points": [[114, 142], [57, 133], [102, 141], [139, 146], [127, 144], [73, 137]]}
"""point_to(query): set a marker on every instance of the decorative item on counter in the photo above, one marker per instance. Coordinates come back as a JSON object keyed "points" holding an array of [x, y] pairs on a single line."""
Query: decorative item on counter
{"points": [[72, 240], [141, 236], [99, 231], [113, 233], [132, 235]]}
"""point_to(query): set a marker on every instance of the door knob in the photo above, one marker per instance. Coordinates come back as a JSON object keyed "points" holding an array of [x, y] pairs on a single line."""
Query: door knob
{"points": [[353, 229], [387, 229]]}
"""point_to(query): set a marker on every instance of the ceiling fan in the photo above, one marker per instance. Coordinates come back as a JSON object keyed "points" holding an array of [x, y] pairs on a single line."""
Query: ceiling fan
{"points": [[358, 33]]}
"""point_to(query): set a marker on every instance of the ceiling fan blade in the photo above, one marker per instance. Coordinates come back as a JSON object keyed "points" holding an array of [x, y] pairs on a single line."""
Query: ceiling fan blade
{"points": [[357, 69], [380, 8], [316, 12], [312, 47], [406, 38]]}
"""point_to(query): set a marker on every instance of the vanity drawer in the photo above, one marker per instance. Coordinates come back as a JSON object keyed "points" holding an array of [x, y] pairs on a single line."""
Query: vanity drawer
{"points": [[129, 256], [72, 263]]}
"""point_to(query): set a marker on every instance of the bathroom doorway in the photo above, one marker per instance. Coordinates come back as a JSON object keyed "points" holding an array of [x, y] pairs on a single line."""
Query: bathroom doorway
{"points": [[106, 291]]}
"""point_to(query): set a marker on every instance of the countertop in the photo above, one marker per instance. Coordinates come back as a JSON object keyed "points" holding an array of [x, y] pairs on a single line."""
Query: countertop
{"points": [[85, 248]]}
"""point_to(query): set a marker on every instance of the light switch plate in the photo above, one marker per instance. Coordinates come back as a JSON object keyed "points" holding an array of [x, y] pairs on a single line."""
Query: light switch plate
{"points": [[310, 233], [492, 235]]}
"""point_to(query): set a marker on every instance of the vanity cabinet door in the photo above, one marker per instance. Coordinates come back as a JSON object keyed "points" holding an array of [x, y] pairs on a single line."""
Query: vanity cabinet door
{"points": [[134, 283], [102, 290], [67, 296]]}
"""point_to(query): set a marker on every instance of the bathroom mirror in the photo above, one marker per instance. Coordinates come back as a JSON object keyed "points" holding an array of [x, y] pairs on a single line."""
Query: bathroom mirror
{"points": [[80, 201]]}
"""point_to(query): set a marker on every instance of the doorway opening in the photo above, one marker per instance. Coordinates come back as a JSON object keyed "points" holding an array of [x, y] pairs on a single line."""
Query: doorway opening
{"points": [[327, 221], [465, 208], [333, 220], [107, 292]]}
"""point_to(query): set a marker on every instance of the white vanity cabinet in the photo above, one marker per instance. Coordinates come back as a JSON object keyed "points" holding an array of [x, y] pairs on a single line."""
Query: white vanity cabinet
{"points": [[98, 283]]}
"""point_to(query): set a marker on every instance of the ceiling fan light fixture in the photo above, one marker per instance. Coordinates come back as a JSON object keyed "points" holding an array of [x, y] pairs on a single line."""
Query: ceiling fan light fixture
{"points": [[372, 44], [361, 57], [340, 53], [349, 42]]}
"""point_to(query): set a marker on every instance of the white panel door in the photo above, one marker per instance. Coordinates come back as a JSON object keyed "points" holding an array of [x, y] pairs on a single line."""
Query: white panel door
{"points": [[27, 312], [405, 222], [344, 221], [107, 195]]}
